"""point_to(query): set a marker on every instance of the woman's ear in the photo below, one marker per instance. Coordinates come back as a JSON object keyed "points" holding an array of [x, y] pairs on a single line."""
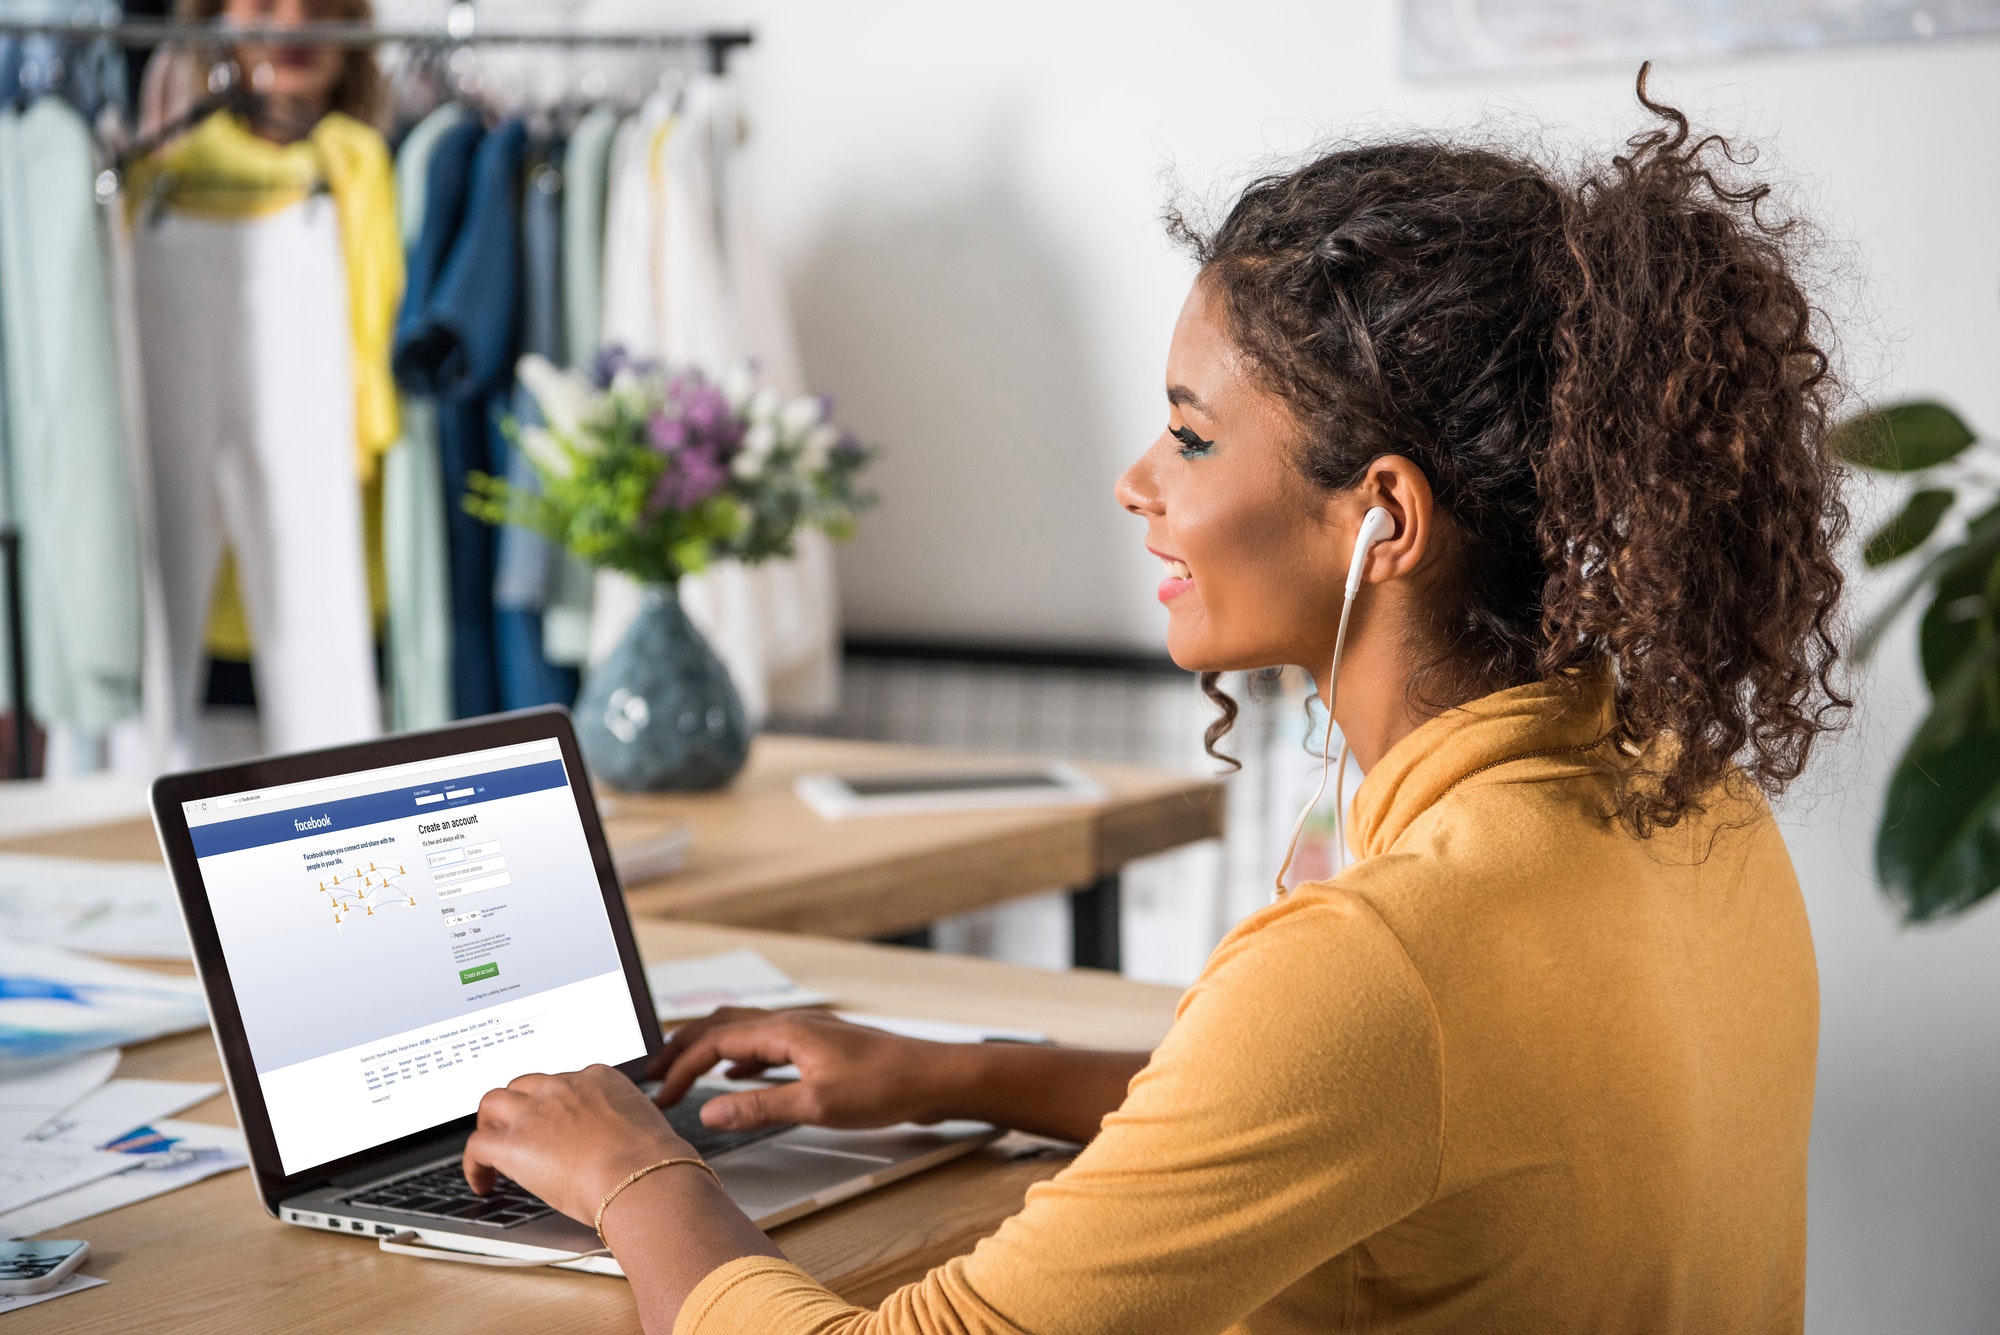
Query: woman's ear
{"points": [[1398, 486]]}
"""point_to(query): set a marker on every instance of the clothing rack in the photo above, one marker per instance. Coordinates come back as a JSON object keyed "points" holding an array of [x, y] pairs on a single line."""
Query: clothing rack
{"points": [[460, 30]]}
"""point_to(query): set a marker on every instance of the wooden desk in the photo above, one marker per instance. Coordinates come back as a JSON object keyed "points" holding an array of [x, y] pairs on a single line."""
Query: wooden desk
{"points": [[762, 859], [206, 1258]]}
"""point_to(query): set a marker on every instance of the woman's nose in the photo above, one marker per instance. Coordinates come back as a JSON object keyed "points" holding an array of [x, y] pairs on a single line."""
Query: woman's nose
{"points": [[1136, 490]]}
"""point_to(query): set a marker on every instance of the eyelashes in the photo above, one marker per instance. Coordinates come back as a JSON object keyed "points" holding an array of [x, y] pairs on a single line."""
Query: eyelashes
{"points": [[1192, 446]]}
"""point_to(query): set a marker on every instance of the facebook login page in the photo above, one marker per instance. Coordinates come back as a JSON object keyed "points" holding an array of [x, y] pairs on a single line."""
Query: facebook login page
{"points": [[403, 940]]}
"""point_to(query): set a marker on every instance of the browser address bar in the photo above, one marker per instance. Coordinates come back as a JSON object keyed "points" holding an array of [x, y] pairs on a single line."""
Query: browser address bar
{"points": [[392, 772]]}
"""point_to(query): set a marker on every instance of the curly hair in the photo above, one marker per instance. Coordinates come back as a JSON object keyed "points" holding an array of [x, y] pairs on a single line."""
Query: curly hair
{"points": [[1614, 387]]}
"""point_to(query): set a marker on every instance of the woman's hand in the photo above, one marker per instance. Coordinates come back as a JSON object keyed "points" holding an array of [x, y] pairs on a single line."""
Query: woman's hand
{"points": [[569, 1138], [850, 1076]]}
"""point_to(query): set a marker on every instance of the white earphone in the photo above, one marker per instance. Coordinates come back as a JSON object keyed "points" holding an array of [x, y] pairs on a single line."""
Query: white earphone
{"points": [[1375, 526]]}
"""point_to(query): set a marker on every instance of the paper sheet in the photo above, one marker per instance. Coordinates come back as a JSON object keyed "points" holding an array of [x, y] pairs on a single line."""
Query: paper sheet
{"points": [[105, 908], [944, 1031], [30, 1096], [55, 1003], [168, 1155], [14, 1302], [107, 1113], [685, 989], [30, 1172]]}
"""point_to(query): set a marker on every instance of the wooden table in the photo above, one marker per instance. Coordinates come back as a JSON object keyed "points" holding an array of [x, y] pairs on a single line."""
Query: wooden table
{"points": [[206, 1258], [762, 859]]}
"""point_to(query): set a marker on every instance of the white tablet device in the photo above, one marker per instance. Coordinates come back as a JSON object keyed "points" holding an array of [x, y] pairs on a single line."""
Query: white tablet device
{"points": [[1030, 784]]}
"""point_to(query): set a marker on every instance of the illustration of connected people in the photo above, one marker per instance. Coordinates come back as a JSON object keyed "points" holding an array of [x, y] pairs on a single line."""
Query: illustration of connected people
{"points": [[359, 892]]}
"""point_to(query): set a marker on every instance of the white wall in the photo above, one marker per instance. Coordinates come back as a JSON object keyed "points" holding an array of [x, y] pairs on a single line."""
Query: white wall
{"points": [[965, 199]]}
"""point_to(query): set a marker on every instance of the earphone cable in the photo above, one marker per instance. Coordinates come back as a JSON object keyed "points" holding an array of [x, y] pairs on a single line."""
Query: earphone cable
{"points": [[1325, 751]]}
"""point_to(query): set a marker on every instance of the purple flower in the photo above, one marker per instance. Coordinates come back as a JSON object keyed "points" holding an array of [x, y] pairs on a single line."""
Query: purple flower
{"points": [[691, 478], [667, 434], [613, 358]]}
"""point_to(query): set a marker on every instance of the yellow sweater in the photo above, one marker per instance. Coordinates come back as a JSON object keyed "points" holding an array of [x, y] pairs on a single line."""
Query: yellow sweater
{"points": [[1515, 1071]]}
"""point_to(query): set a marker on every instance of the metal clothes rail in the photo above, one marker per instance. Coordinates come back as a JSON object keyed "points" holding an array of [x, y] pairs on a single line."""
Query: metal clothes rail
{"points": [[460, 30]]}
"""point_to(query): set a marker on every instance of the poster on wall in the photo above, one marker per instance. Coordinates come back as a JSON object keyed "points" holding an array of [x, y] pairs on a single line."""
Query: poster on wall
{"points": [[1470, 36]]}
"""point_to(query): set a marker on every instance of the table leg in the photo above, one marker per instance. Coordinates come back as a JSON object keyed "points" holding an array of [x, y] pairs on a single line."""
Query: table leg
{"points": [[1093, 925]]}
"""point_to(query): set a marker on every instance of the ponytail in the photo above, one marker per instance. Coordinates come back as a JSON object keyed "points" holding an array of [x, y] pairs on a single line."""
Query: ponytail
{"points": [[1614, 388]]}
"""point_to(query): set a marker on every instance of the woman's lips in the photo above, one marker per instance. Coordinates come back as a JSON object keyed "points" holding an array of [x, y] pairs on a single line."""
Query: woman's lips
{"points": [[1179, 578]]}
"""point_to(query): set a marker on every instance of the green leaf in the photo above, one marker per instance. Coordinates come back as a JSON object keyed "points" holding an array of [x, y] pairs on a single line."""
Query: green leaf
{"points": [[1938, 851], [1908, 530], [1950, 626], [1963, 697], [1902, 438], [1980, 550]]}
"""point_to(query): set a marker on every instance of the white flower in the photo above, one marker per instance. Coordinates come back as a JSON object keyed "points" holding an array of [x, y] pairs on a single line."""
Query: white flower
{"points": [[763, 406], [546, 451], [818, 448], [800, 416], [737, 384], [759, 441], [566, 398], [745, 466]]}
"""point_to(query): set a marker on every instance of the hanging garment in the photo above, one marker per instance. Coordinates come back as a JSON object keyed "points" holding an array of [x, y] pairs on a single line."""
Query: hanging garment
{"points": [[566, 612], [799, 600], [246, 350], [67, 458], [417, 639], [671, 279], [89, 76], [627, 306], [456, 340], [146, 747], [222, 169], [586, 178], [525, 561]]}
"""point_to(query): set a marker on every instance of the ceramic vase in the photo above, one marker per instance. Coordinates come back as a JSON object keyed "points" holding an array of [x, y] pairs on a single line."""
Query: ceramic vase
{"points": [[660, 714]]}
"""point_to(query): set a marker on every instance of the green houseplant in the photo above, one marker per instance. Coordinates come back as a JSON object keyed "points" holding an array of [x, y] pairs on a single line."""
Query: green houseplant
{"points": [[1937, 851]]}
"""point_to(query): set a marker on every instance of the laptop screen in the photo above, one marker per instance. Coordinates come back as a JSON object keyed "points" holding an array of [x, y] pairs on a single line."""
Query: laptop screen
{"points": [[402, 940]]}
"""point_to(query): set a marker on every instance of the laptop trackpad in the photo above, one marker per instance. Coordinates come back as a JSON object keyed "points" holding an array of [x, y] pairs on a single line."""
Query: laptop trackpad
{"points": [[776, 1174]]}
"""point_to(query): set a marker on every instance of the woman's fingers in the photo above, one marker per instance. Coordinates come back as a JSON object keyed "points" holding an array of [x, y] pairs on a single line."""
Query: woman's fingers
{"points": [[780, 1105], [763, 1042], [687, 1033], [567, 1138], [477, 1162]]}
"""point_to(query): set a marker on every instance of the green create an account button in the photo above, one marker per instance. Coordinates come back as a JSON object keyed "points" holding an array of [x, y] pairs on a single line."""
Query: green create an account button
{"points": [[478, 972]]}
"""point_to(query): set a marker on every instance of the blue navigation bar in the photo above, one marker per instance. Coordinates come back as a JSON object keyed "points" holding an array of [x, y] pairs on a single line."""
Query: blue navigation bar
{"points": [[431, 800]]}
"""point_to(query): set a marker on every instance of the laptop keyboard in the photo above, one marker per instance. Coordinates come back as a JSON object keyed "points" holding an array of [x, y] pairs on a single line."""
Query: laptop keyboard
{"points": [[441, 1193], [685, 1118]]}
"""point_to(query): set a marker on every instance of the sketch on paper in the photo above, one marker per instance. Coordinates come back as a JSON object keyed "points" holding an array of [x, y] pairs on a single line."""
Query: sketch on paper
{"points": [[1466, 36]]}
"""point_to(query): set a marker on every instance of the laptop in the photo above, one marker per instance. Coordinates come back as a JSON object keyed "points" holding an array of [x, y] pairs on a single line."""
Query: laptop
{"points": [[387, 931]]}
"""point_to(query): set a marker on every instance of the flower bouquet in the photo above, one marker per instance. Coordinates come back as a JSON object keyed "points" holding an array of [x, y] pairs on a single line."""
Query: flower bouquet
{"points": [[658, 472]]}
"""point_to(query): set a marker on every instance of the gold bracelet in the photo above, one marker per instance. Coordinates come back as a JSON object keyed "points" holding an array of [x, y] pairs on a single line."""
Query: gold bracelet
{"points": [[612, 1194]]}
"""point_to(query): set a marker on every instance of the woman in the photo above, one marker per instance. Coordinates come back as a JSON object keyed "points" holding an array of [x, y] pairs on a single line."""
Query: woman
{"points": [[247, 245], [1542, 1058]]}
